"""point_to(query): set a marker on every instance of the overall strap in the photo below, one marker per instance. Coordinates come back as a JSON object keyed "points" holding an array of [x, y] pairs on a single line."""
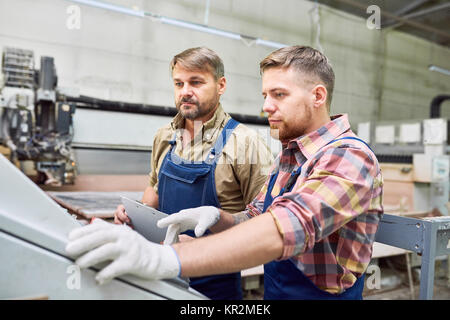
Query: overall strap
{"points": [[221, 141], [173, 142], [351, 138], [290, 183], [296, 173], [287, 187]]}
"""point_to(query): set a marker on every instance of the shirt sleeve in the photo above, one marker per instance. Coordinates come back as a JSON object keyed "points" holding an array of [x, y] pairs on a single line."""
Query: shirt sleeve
{"points": [[339, 187], [153, 175]]}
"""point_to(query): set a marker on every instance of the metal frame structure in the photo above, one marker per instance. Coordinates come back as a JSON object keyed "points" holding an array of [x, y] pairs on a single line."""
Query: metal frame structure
{"points": [[428, 237]]}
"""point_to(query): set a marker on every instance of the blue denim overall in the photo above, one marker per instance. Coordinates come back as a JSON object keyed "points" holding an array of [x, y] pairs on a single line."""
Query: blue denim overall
{"points": [[283, 280], [182, 185]]}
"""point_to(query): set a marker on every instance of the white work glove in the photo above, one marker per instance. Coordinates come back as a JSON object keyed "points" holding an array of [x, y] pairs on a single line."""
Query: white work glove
{"points": [[198, 219], [129, 251]]}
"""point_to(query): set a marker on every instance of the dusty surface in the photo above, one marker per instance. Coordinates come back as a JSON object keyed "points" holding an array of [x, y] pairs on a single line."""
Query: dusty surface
{"points": [[400, 292], [441, 292]]}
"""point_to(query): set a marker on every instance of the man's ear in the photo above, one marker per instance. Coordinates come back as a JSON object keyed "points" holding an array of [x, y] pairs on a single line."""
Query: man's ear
{"points": [[221, 85], [320, 95]]}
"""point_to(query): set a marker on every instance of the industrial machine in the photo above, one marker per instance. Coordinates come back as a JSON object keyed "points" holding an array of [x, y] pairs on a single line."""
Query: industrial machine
{"points": [[33, 235], [54, 134], [48, 133], [50, 138], [34, 125]]}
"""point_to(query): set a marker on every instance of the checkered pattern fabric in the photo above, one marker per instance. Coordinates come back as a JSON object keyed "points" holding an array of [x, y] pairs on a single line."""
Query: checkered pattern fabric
{"points": [[329, 219]]}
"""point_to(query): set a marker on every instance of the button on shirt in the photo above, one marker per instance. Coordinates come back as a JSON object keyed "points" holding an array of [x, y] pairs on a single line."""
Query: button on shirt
{"points": [[242, 168], [329, 220]]}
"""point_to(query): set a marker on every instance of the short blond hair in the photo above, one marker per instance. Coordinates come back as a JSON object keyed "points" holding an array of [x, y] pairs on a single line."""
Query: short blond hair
{"points": [[200, 59], [305, 60]]}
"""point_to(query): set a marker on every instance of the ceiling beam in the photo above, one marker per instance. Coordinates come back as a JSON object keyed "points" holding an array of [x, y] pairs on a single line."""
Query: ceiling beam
{"points": [[418, 14], [387, 14], [410, 7], [405, 9]]}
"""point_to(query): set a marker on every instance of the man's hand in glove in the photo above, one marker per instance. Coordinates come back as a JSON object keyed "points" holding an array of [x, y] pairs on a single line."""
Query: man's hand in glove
{"points": [[129, 252], [198, 219]]}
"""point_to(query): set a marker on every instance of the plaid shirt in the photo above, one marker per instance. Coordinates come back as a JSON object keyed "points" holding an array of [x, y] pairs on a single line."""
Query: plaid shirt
{"points": [[329, 219]]}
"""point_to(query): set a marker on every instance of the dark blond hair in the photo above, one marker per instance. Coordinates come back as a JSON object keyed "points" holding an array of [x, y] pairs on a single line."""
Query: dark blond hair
{"points": [[304, 60], [200, 59]]}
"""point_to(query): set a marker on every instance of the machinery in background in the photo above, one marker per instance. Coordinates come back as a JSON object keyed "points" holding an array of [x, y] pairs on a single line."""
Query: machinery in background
{"points": [[414, 157], [52, 144], [33, 124]]}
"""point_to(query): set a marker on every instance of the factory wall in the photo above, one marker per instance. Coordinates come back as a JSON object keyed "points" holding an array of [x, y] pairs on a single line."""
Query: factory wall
{"points": [[119, 57], [408, 85]]}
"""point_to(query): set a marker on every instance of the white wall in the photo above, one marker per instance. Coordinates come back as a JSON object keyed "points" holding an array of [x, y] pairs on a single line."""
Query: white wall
{"points": [[114, 56]]}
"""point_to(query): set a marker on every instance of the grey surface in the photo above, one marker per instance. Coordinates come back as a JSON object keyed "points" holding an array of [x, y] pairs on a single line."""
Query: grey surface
{"points": [[29, 271], [33, 236], [428, 237], [93, 204], [144, 220], [103, 161]]}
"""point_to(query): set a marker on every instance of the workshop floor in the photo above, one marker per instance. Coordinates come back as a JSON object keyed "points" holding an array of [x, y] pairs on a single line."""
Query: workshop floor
{"points": [[400, 292], [441, 292]]}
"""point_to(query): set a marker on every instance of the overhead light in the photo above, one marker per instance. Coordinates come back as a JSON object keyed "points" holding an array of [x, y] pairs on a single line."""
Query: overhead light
{"points": [[199, 27], [271, 44], [180, 23], [432, 67], [112, 7]]}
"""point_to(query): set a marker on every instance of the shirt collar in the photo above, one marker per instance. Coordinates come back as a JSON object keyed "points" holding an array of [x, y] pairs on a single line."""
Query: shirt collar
{"points": [[215, 122], [310, 144]]}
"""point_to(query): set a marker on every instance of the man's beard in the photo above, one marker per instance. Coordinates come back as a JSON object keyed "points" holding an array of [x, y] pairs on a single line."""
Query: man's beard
{"points": [[286, 133], [197, 110]]}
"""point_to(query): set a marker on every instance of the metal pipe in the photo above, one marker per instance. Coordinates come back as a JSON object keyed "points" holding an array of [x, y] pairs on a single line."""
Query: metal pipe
{"points": [[435, 107], [85, 102], [432, 67]]}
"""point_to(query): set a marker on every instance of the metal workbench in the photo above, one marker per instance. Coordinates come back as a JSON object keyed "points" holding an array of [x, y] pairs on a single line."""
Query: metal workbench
{"points": [[428, 237]]}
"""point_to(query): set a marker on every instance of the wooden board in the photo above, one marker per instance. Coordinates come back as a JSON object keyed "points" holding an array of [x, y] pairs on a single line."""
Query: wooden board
{"points": [[381, 250], [104, 183], [253, 271], [92, 204], [398, 196], [397, 172]]}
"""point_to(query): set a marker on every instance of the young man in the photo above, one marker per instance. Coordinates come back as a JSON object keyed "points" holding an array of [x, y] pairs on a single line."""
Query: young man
{"points": [[187, 173], [312, 224]]}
